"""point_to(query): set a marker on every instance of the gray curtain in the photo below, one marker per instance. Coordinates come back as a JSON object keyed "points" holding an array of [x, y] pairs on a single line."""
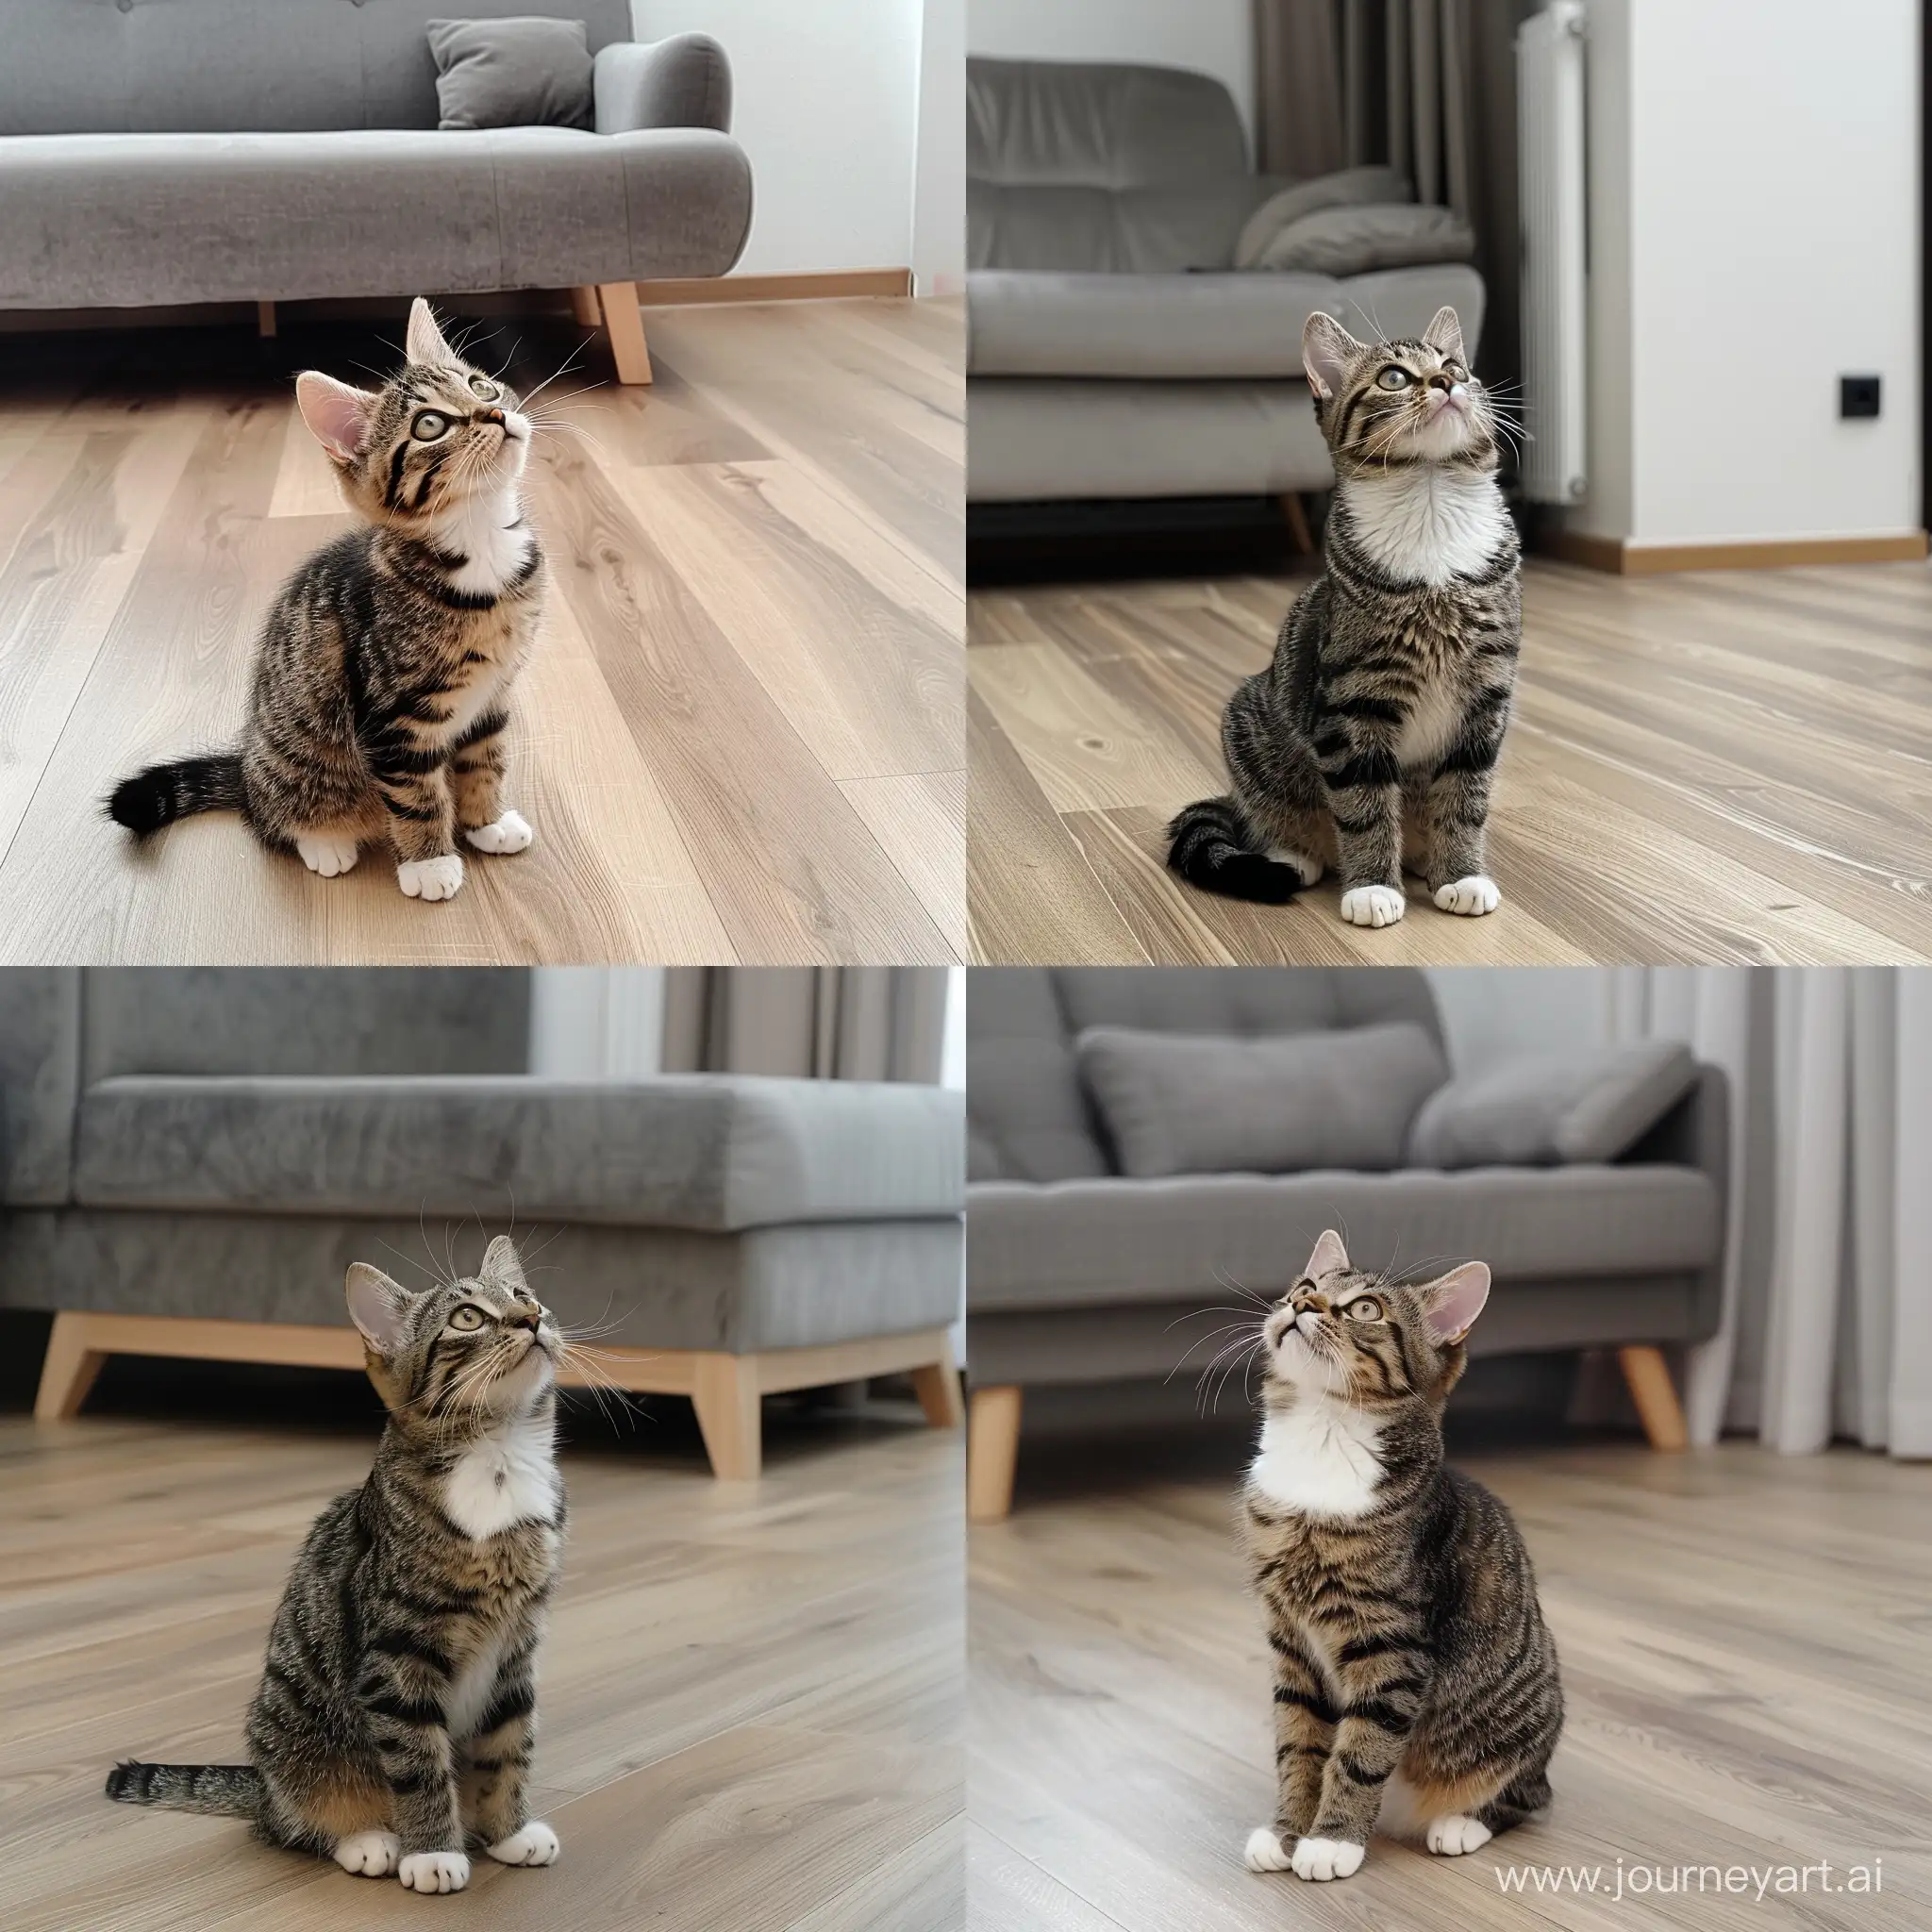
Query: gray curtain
{"points": [[1427, 85], [828, 1023]]}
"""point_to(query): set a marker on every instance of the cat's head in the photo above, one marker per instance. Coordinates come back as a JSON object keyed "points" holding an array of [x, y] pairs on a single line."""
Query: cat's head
{"points": [[1390, 405], [1366, 1342], [457, 1354], [438, 434]]}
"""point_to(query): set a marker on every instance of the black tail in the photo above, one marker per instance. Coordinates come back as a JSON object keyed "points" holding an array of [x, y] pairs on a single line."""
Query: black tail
{"points": [[228, 1791], [1213, 848], [162, 794]]}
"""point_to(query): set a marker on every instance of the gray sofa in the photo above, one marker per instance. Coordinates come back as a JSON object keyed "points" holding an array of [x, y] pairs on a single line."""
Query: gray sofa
{"points": [[1114, 350], [189, 1161], [1610, 1235], [155, 152]]}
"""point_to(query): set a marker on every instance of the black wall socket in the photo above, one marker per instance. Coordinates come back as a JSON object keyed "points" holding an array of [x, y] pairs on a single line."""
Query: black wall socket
{"points": [[1858, 396]]}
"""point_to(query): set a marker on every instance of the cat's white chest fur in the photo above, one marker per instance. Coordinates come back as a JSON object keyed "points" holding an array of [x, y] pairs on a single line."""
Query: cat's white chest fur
{"points": [[1426, 526], [479, 532], [503, 1478], [1320, 1458]]}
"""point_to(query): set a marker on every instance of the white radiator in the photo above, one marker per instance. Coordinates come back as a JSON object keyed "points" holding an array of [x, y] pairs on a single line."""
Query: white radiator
{"points": [[1549, 67]]}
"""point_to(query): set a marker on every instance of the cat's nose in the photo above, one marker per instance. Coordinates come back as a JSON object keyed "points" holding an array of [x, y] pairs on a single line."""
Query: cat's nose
{"points": [[1440, 380], [524, 1315], [491, 416]]}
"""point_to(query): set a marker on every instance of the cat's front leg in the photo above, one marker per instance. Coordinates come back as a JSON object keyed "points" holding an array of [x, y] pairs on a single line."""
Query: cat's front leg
{"points": [[1381, 1695], [1365, 801], [496, 1773], [1456, 818], [476, 775], [1303, 1732], [402, 1706], [419, 809]]}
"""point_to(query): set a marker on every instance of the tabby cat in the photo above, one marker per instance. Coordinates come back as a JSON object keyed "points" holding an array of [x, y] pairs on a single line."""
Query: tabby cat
{"points": [[1389, 689], [1414, 1678], [397, 1707], [381, 687]]}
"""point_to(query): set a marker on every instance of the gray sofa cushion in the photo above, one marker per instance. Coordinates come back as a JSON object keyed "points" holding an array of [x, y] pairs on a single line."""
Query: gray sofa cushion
{"points": [[1549, 1109], [525, 72], [104, 220], [707, 1152], [789, 1287], [1090, 1242], [40, 1081], [1341, 189], [91, 66], [1165, 327], [683, 81], [1345, 241], [1179, 1103]]}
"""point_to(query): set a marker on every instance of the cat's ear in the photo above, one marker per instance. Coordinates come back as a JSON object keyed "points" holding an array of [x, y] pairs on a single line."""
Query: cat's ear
{"points": [[1326, 350], [424, 341], [338, 416], [376, 1306], [1451, 1305], [1329, 1256], [501, 1268], [1445, 334]]}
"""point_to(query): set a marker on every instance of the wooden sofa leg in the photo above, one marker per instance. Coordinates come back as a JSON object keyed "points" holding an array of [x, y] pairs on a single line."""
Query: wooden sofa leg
{"points": [[1648, 1376], [68, 1368], [936, 1386], [725, 1389], [993, 1450], [265, 319], [625, 325], [584, 306]]}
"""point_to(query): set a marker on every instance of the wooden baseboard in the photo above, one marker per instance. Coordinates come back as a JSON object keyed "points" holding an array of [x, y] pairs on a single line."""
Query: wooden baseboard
{"points": [[1618, 555], [830, 286]]}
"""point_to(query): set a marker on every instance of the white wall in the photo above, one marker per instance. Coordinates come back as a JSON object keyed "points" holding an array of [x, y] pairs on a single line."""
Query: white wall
{"points": [[827, 102], [1770, 160], [1495, 1013], [1208, 35], [939, 186], [591, 1022]]}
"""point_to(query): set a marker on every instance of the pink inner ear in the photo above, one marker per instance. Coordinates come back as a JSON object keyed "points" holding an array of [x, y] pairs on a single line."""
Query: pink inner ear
{"points": [[337, 415], [1329, 1255], [1455, 1301], [372, 1307]]}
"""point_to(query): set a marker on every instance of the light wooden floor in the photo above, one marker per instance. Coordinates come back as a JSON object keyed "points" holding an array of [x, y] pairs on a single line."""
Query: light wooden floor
{"points": [[1726, 767], [740, 738], [1744, 1644], [750, 1697]]}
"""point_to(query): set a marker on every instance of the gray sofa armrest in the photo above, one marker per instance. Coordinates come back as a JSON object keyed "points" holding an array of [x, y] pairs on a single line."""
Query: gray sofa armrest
{"points": [[681, 82], [1697, 1133], [1552, 1109]]}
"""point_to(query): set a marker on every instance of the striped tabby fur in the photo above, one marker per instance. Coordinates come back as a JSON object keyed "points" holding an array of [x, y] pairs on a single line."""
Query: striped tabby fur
{"points": [[396, 1711], [382, 679], [1415, 1682], [1371, 738]]}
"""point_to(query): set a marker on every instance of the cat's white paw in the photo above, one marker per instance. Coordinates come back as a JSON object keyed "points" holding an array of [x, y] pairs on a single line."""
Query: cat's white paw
{"points": [[1373, 905], [431, 879], [1470, 897], [435, 1870], [1455, 1834], [327, 855], [1265, 1852], [1310, 869], [368, 1853], [1326, 1858], [510, 833], [535, 1844]]}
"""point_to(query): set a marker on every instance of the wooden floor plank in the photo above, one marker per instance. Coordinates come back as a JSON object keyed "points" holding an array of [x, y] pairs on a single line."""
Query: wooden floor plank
{"points": [[759, 597], [1726, 767], [750, 1702], [1735, 1695]]}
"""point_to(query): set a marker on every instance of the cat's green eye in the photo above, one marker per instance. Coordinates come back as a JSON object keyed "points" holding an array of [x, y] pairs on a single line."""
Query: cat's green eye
{"points": [[484, 387], [428, 426], [1456, 372], [467, 1317], [1364, 1307], [1392, 377]]}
